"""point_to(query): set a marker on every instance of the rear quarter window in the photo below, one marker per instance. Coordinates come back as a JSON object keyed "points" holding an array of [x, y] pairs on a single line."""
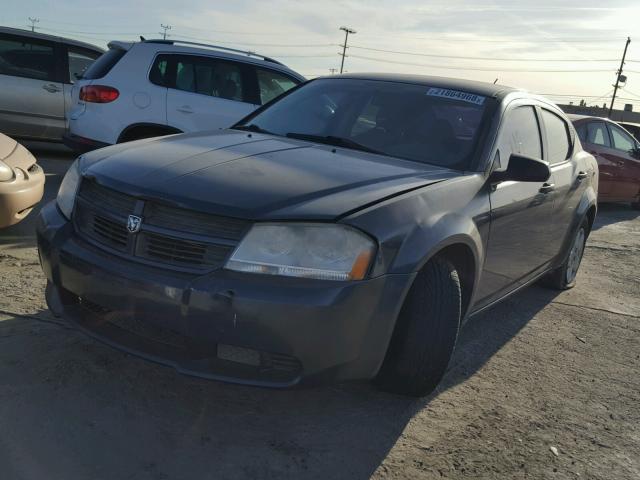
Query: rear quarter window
{"points": [[104, 64]]}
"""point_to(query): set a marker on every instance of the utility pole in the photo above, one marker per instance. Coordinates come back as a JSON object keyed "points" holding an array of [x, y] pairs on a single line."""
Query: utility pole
{"points": [[33, 23], [165, 27], [347, 31], [619, 75]]}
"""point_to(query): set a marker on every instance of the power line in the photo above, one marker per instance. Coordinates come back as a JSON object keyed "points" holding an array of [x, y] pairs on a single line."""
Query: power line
{"points": [[479, 69], [482, 58]]}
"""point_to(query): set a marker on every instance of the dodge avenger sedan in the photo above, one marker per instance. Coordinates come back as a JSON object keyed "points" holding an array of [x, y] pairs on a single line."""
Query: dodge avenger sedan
{"points": [[344, 231]]}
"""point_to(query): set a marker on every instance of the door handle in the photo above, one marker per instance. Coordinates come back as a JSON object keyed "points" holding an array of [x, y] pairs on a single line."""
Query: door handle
{"points": [[582, 175], [547, 187], [51, 88], [185, 109]]}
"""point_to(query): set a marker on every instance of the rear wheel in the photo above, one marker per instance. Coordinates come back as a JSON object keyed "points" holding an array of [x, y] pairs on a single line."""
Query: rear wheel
{"points": [[426, 332], [564, 277]]}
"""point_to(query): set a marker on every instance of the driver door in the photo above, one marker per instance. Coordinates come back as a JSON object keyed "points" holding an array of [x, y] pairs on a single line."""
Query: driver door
{"points": [[520, 243]]}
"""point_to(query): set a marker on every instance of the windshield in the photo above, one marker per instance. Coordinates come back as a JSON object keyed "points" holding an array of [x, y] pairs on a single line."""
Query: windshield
{"points": [[414, 122]]}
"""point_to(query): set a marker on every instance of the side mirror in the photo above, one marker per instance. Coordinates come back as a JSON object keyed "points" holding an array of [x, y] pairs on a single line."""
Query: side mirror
{"points": [[523, 169]]}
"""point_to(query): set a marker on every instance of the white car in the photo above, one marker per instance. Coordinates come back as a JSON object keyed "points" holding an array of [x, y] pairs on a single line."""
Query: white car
{"points": [[161, 87]]}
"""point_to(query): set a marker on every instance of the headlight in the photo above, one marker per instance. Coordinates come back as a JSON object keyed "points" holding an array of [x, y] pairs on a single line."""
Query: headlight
{"points": [[323, 251], [68, 189], [6, 172]]}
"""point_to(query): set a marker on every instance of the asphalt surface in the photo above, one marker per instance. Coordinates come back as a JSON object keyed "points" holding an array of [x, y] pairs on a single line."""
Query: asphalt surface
{"points": [[545, 385]]}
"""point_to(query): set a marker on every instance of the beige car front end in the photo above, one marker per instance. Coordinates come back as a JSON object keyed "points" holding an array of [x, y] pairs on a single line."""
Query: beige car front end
{"points": [[21, 182]]}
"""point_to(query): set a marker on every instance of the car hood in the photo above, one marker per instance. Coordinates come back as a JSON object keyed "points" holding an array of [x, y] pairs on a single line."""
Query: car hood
{"points": [[261, 177]]}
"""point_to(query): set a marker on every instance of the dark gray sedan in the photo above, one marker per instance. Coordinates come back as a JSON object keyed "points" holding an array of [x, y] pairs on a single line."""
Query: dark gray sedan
{"points": [[345, 231]]}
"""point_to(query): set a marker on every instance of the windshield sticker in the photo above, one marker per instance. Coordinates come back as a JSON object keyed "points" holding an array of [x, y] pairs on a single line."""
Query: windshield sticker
{"points": [[456, 95]]}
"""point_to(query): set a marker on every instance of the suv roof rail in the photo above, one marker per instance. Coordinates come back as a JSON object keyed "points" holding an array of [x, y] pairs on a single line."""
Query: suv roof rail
{"points": [[214, 47]]}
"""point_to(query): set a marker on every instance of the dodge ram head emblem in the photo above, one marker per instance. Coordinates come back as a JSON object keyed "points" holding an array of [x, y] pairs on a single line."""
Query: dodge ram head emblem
{"points": [[133, 223]]}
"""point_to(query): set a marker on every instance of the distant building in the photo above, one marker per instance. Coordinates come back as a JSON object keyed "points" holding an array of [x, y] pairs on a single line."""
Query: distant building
{"points": [[626, 115]]}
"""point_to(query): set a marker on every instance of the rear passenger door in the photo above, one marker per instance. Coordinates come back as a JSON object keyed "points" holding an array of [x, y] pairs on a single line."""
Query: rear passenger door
{"points": [[31, 96], [569, 178], [206, 93]]}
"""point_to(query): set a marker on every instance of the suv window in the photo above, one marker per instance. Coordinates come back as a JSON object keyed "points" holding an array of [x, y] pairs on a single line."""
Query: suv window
{"points": [[273, 84], [104, 64], [26, 58], [557, 132], [621, 139], [79, 61], [597, 134], [209, 76], [521, 134]]}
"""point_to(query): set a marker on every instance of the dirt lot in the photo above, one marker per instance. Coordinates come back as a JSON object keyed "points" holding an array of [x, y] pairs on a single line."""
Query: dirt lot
{"points": [[541, 370]]}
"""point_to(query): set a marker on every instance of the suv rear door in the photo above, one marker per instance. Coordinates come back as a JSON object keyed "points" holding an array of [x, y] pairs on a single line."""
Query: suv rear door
{"points": [[206, 93], [32, 95]]}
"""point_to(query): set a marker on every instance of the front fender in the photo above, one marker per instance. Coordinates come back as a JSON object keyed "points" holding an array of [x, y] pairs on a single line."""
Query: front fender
{"points": [[413, 227]]}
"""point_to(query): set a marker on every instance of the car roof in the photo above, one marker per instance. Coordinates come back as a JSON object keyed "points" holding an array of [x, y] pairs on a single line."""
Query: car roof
{"points": [[53, 38], [470, 86]]}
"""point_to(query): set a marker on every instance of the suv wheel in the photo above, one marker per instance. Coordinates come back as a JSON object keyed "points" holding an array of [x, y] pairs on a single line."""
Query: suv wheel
{"points": [[426, 332]]}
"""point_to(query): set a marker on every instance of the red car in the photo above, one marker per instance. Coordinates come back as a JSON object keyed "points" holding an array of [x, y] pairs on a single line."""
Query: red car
{"points": [[618, 156]]}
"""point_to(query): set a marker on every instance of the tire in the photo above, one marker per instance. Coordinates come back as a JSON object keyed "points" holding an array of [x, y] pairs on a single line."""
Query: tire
{"points": [[564, 277], [425, 333]]}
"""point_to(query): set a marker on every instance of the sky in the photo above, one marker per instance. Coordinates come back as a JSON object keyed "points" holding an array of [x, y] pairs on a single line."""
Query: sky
{"points": [[568, 50]]}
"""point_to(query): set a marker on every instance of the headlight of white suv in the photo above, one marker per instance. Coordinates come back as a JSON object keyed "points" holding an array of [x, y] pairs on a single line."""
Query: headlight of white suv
{"points": [[68, 189], [309, 250]]}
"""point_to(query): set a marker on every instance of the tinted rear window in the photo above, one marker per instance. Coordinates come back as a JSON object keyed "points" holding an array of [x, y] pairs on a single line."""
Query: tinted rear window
{"points": [[104, 64]]}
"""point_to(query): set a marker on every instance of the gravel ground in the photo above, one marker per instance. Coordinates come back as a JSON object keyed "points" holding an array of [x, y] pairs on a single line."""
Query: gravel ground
{"points": [[545, 385]]}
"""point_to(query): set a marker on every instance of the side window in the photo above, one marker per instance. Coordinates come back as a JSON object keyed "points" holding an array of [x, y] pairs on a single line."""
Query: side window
{"points": [[520, 134], [209, 76], [621, 140], [557, 132], [597, 134], [273, 84], [159, 74], [26, 58], [79, 62]]}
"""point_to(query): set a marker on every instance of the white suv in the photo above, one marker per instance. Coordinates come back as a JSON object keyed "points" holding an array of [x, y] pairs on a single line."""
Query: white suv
{"points": [[160, 87]]}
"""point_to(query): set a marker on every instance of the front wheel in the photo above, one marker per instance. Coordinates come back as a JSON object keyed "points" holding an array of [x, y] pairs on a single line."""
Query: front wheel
{"points": [[425, 333], [564, 277]]}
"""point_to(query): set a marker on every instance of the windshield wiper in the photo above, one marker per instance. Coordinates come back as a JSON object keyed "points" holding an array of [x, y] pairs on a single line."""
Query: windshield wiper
{"points": [[333, 140], [252, 127]]}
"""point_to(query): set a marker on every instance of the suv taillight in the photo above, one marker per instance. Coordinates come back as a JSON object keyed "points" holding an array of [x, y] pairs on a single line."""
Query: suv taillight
{"points": [[98, 94]]}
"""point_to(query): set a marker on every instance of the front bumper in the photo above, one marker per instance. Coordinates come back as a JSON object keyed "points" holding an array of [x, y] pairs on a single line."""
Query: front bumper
{"points": [[19, 196], [253, 329]]}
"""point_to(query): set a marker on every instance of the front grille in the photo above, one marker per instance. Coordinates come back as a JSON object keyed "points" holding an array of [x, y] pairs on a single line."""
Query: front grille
{"points": [[170, 237], [100, 228], [177, 251]]}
